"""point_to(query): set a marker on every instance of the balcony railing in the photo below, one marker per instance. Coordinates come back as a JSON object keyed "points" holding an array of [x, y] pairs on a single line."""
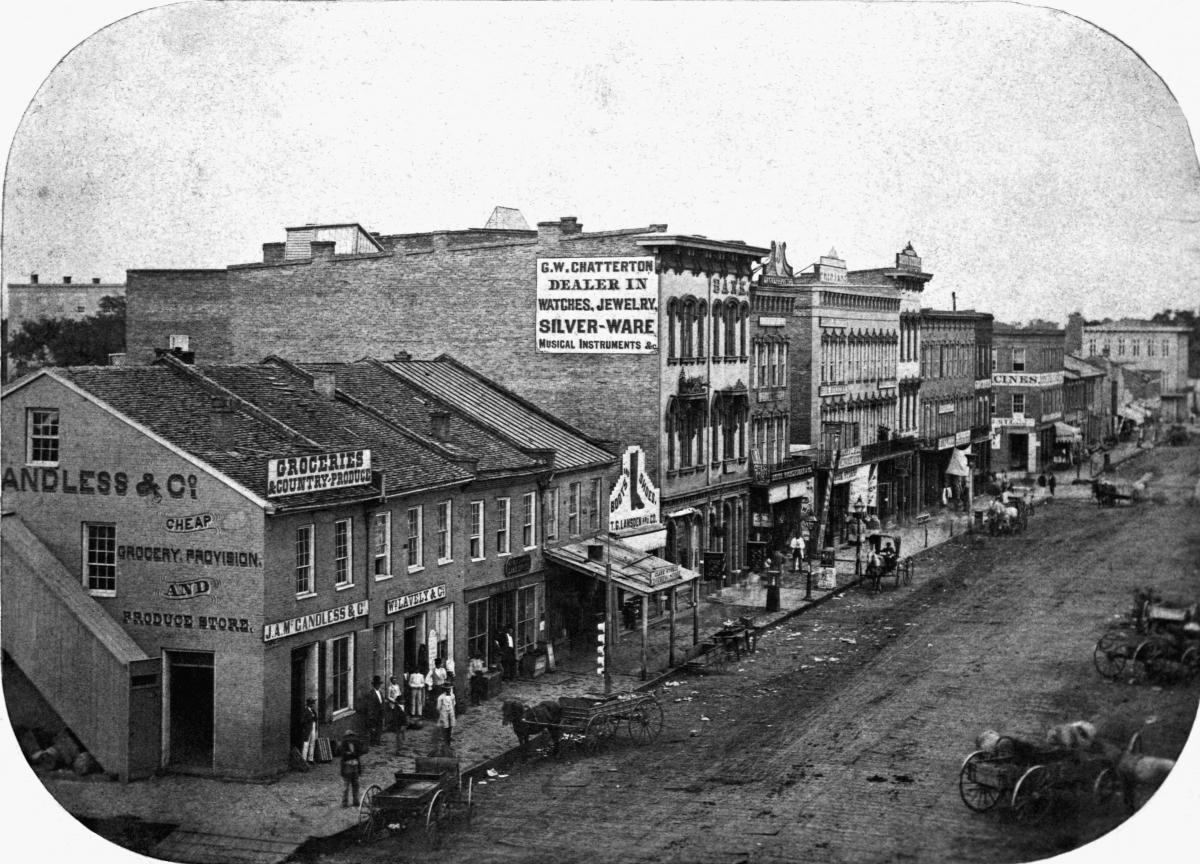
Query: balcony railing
{"points": [[865, 453], [764, 473]]}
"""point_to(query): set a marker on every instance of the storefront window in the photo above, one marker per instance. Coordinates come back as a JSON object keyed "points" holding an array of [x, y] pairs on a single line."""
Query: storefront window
{"points": [[384, 665], [341, 673], [477, 629], [527, 620]]}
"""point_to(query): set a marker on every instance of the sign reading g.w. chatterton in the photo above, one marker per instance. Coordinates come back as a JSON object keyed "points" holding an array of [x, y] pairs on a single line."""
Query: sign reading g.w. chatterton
{"points": [[597, 306]]}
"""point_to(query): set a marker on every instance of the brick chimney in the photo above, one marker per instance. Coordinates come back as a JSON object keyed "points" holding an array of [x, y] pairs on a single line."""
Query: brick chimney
{"points": [[95, 280], [325, 383], [33, 279], [402, 356], [439, 424], [553, 231], [273, 252], [321, 250], [66, 280], [117, 359]]}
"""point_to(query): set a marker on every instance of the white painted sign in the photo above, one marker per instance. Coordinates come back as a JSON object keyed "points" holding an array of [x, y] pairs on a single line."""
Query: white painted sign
{"points": [[597, 306], [416, 598], [1026, 379], [963, 437], [188, 524], [324, 618], [1017, 420], [294, 475], [634, 501]]}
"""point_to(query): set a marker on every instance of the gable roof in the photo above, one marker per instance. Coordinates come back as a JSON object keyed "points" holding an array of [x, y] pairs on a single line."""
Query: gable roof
{"points": [[502, 410]]}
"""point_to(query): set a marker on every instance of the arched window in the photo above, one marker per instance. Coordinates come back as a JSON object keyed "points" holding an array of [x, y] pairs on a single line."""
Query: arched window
{"points": [[717, 317], [743, 320], [671, 422], [672, 311], [731, 324], [688, 319], [701, 323]]}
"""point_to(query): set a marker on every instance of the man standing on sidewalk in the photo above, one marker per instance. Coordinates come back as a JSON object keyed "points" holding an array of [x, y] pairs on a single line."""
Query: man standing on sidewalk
{"points": [[797, 546], [1052, 482]]}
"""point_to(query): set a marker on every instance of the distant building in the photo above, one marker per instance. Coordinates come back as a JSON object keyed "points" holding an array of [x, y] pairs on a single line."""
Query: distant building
{"points": [[1147, 345], [1027, 389], [32, 300], [1086, 412]]}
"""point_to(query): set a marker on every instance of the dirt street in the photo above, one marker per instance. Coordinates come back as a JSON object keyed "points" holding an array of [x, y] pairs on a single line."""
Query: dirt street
{"points": [[841, 739]]}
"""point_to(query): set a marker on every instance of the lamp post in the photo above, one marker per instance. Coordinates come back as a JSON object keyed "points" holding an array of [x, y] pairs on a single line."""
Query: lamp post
{"points": [[859, 510]]}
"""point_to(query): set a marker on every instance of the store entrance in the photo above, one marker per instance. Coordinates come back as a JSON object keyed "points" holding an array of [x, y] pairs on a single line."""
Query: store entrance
{"points": [[190, 713]]}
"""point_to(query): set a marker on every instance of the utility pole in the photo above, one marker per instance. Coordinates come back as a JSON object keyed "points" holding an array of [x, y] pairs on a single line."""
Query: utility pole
{"points": [[609, 624]]}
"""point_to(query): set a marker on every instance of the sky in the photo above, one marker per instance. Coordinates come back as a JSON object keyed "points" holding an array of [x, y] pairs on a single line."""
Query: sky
{"points": [[1036, 163]]}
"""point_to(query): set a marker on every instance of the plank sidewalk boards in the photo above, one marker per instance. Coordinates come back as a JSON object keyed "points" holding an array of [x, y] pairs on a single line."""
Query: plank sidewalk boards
{"points": [[201, 847]]}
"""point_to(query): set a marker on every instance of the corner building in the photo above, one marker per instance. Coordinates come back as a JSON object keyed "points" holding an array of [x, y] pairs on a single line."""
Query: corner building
{"points": [[636, 335], [1027, 391], [192, 551]]}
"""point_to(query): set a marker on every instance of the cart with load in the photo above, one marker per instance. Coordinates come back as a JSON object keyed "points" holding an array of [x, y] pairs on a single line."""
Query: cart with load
{"points": [[416, 800], [1029, 777], [1109, 491], [594, 720]]}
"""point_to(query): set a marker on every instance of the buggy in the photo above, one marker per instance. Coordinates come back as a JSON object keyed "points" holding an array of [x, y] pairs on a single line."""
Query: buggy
{"points": [[420, 799]]}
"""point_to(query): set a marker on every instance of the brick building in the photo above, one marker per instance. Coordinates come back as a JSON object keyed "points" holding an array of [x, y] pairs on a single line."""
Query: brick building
{"points": [[1027, 389], [636, 335], [1146, 346], [842, 331], [954, 398], [174, 534], [1085, 407]]}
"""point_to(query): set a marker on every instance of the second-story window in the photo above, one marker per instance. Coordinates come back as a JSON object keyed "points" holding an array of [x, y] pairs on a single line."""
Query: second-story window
{"points": [[1018, 359], [416, 554], [1018, 403], [443, 532], [342, 558], [573, 493], [41, 447], [552, 514], [381, 545], [503, 513], [100, 558], [476, 541], [528, 535], [304, 560], [596, 495]]}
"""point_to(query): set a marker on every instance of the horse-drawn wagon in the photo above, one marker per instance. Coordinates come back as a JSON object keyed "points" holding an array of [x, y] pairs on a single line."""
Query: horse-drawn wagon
{"points": [[1159, 641], [1029, 777], [721, 649], [1110, 491], [420, 799], [885, 562], [590, 721]]}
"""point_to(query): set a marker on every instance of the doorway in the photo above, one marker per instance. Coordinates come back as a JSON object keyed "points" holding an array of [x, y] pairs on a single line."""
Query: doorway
{"points": [[1018, 451], [190, 709]]}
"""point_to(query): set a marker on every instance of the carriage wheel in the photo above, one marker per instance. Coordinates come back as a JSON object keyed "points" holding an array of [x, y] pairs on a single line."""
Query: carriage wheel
{"points": [[1031, 795], [1190, 660], [599, 733], [433, 816], [1147, 660], [978, 796], [1109, 655], [1135, 744], [1105, 788], [645, 722], [370, 822]]}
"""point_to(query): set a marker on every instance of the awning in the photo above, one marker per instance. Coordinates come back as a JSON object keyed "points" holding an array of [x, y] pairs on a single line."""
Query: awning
{"points": [[1066, 432], [958, 463], [644, 537], [686, 511], [1132, 412], [635, 571]]}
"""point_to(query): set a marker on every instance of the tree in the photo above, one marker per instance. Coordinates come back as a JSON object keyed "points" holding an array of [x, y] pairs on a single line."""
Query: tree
{"points": [[70, 341]]}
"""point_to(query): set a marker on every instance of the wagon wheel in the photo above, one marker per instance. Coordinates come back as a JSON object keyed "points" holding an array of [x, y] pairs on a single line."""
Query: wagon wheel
{"points": [[1147, 660], [1031, 795], [1190, 660], [1106, 787], [599, 733], [433, 816], [978, 796], [1109, 655], [370, 821], [645, 722]]}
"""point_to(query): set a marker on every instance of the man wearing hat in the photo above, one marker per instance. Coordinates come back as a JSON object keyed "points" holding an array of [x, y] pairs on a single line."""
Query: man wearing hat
{"points": [[308, 729], [445, 710], [351, 768], [375, 704]]}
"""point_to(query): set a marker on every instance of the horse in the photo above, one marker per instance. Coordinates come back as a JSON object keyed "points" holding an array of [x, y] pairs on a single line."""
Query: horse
{"points": [[528, 721]]}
